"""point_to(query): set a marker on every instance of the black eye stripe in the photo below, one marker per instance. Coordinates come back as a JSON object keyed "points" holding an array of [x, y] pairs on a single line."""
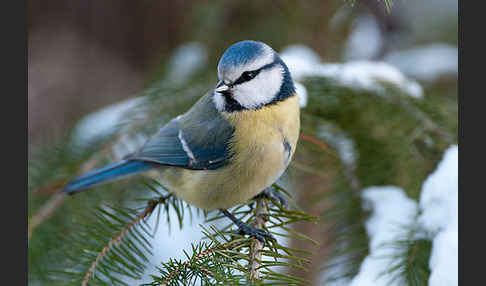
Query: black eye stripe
{"points": [[247, 76]]}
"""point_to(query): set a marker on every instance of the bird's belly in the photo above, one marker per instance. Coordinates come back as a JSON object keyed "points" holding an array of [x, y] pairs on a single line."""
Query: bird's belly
{"points": [[230, 185]]}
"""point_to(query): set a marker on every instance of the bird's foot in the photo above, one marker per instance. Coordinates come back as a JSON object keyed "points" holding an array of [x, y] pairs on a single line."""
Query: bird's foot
{"points": [[245, 229], [260, 234], [274, 196]]}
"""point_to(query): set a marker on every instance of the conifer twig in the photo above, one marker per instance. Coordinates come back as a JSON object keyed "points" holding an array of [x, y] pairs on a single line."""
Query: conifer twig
{"points": [[151, 205], [428, 123], [46, 211], [53, 203], [255, 249], [203, 254], [348, 168], [257, 246]]}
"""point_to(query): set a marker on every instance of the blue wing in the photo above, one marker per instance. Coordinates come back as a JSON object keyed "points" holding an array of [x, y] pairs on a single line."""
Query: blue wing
{"points": [[197, 140]]}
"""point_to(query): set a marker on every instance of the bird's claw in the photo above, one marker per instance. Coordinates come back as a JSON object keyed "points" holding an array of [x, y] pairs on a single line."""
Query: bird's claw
{"points": [[257, 233], [273, 195]]}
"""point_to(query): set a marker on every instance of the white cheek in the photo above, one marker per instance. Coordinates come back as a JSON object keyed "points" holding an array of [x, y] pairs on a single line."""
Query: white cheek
{"points": [[260, 90], [218, 100]]}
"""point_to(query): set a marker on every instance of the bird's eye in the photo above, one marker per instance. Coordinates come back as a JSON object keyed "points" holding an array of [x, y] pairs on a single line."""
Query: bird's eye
{"points": [[246, 76]]}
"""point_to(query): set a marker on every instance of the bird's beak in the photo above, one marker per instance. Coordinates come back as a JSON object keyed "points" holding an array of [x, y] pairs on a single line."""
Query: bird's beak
{"points": [[221, 87]]}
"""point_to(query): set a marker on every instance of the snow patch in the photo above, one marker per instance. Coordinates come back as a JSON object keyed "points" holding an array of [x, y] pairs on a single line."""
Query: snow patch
{"points": [[427, 63], [392, 210], [128, 145], [369, 76], [301, 92], [186, 61], [103, 122], [170, 241], [439, 205], [301, 60], [438, 221], [365, 40], [341, 142], [358, 75]]}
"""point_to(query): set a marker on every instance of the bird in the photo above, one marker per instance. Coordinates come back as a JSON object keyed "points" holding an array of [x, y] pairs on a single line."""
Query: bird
{"points": [[230, 146]]}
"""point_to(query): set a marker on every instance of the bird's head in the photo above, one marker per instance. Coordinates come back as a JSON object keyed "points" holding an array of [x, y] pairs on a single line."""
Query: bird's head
{"points": [[251, 75]]}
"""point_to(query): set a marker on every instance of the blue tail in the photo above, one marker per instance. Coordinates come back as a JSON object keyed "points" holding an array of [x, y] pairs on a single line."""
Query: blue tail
{"points": [[106, 174]]}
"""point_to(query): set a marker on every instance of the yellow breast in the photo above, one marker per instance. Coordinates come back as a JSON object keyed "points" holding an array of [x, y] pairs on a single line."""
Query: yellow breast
{"points": [[258, 142]]}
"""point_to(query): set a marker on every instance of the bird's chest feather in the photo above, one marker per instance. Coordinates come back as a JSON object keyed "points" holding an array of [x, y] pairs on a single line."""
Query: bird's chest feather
{"points": [[264, 141]]}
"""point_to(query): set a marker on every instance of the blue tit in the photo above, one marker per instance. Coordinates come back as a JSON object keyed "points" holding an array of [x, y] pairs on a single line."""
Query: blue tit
{"points": [[234, 142]]}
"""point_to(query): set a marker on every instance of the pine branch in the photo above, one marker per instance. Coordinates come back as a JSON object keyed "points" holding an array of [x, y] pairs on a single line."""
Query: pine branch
{"points": [[209, 251], [113, 244], [136, 121], [232, 259], [116, 243], [257, 246], [387, 130], [45, 212], [50, 206], [388, 4], [151, 205], [410, 264], [348, 168], [317, 142]]}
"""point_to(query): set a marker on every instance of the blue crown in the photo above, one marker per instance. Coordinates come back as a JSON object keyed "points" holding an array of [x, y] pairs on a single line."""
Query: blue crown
{"points": [[241, 53]]}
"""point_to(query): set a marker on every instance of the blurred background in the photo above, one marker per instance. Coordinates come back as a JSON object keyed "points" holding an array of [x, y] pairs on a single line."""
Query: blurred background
{"points": [[87, 55]]}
